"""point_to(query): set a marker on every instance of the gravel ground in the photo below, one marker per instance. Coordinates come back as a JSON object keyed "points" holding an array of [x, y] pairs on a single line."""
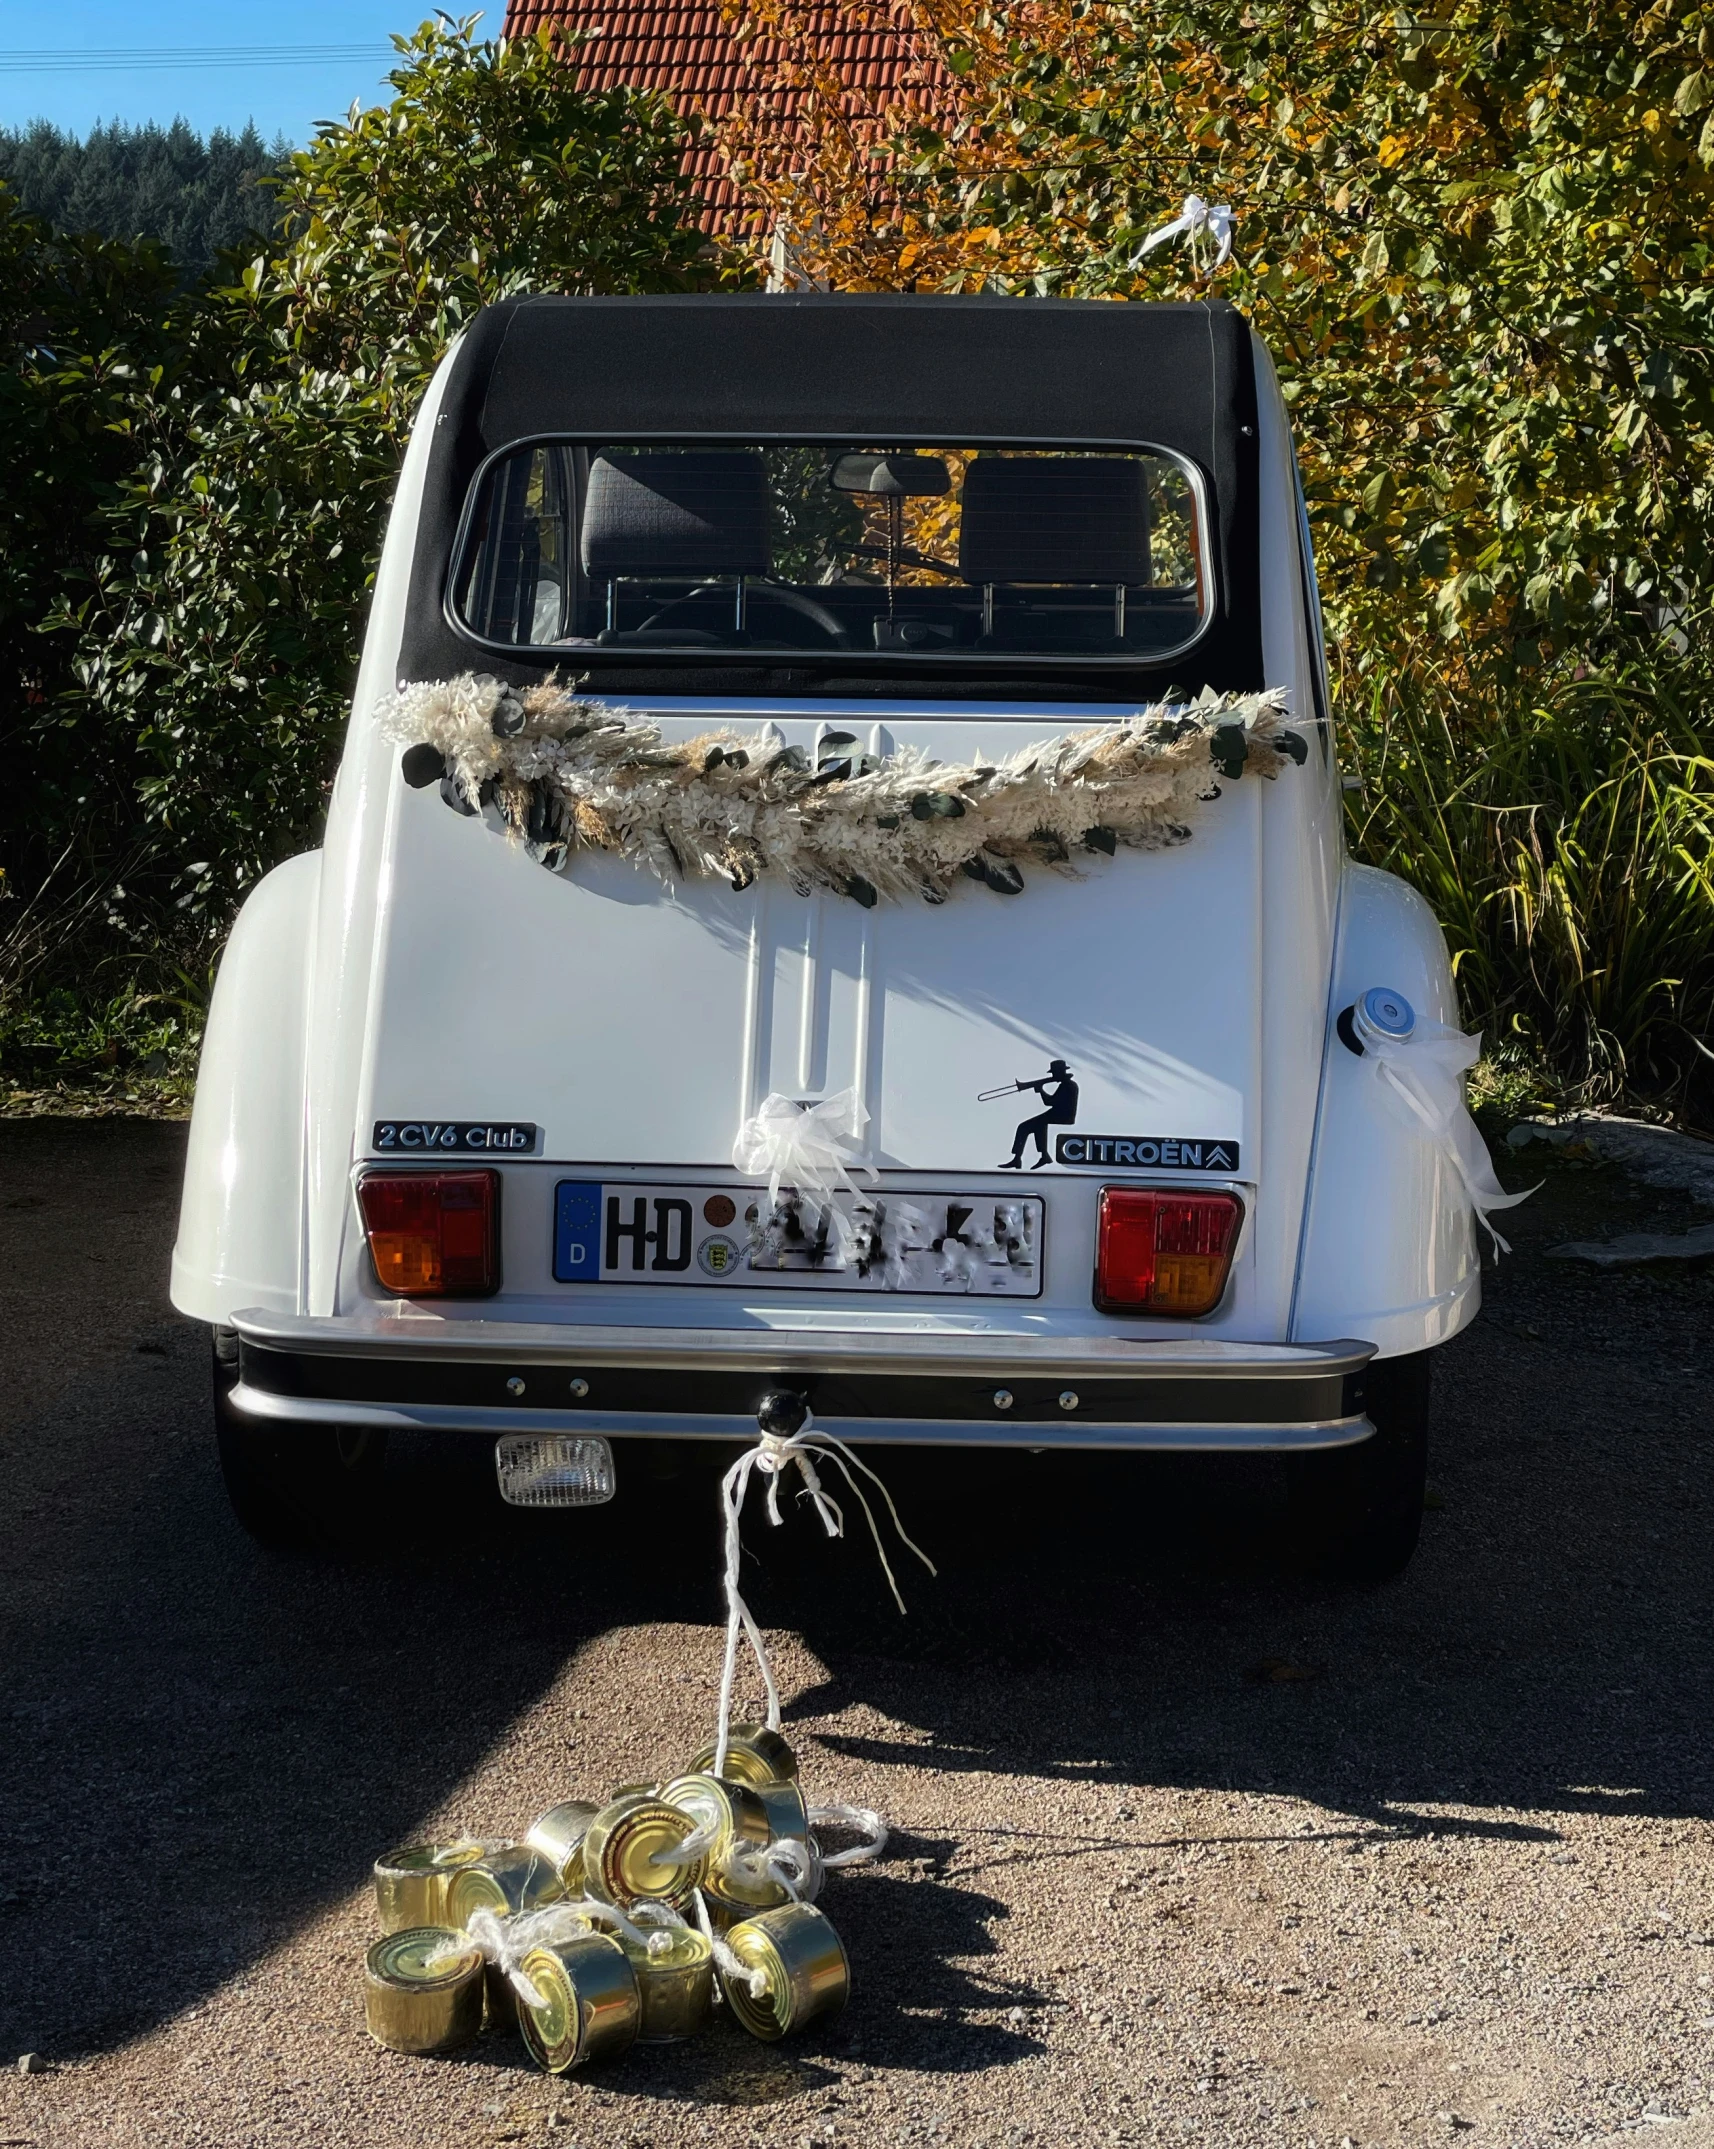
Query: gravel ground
{"points": [[1191, 1848]]}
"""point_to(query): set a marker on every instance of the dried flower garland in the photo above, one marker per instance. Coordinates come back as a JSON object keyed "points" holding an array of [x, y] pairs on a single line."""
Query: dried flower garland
{"points": [[562, 774]]}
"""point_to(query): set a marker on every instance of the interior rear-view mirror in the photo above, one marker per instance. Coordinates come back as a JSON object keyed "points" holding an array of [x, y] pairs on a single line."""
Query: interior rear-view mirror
{"points": [[896, 477]]}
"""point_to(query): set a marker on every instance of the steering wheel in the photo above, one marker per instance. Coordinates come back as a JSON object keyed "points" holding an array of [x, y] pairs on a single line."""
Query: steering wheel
{"points": [[793, 600]]}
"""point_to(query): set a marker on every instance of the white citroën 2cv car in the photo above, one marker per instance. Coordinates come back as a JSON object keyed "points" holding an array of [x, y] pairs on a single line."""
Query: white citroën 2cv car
{"points": [[826, 733]]}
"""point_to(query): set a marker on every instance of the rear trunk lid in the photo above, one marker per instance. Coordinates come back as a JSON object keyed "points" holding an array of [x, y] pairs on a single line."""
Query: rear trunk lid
{"points": [[638, 1025]]}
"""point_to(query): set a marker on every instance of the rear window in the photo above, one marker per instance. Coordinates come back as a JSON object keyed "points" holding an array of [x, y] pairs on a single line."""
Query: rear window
{"points": [[834, 551]]}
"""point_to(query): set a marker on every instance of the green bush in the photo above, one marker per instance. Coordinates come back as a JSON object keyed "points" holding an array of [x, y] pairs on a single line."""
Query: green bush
{"points": [[202, 484], [1563, 831]]}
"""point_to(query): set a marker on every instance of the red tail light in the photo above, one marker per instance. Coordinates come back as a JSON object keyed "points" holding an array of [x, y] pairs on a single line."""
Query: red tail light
{"points": [[433, 1234], [1161, 1252]]}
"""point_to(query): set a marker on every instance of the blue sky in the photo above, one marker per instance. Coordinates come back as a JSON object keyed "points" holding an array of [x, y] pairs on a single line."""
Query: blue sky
{"points": [[91, 84]]}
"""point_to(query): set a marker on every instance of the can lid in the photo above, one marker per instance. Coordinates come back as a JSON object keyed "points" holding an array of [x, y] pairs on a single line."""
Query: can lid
{"points": [[431, 1857], [670, 1948], [424, 1958], [1384, 1016]]}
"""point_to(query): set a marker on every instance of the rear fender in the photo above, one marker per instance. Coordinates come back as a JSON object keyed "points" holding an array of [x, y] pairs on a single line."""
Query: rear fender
{"points": [[241, 1221], [1389, 1247]]}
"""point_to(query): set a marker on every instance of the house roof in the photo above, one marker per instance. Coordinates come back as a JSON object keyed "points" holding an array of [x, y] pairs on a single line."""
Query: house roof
{"points": [[687, 49]]}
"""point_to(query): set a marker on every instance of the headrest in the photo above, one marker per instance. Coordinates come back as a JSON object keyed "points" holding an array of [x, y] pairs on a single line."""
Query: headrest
{"points": [[703, 512], [1055, 518]]}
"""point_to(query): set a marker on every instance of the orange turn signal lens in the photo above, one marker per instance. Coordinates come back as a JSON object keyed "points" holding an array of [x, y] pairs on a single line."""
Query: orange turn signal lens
{"points": [[433, 1234], [1164, 1252]]}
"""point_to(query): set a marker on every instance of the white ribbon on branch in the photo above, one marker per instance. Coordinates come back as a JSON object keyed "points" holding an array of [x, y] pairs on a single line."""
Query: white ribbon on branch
{"points": [[1198, 221], [1422, 1080], [773, 1455]]}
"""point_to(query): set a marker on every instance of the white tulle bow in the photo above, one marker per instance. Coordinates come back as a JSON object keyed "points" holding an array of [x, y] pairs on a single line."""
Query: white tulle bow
{"points": [[1197, 221], [1422, 1079], [810, 1148]]}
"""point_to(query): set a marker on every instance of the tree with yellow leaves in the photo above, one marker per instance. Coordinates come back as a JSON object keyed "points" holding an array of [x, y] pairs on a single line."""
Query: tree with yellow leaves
{"points": [[1480, 246]]}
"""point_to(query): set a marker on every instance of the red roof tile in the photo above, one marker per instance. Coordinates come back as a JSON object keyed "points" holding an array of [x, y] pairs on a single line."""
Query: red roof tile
{"points": [[687, 49]]}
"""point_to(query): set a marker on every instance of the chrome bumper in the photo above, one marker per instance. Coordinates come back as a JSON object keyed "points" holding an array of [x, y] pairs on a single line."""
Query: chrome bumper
{"points": [[926, 1385]]}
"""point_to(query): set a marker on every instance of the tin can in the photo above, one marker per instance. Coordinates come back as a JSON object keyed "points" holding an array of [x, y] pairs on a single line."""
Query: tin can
{"points": [[635, 1790], [413, 2003], [505, 1880], [499, 2001], [675, 1982], [788, 1821], [754, 1755], [620, 1864], [410, 1883], [802, 1964], [589, 2007], [558, 1834], [741, 1823], [787, 1814]]}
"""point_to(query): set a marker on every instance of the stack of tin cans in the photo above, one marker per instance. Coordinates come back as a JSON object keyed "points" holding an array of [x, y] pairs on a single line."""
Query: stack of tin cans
{"points": [[608, 1926]]}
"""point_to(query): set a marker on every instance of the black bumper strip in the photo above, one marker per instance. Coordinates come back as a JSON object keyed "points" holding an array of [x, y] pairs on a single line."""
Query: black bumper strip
{"points": [[1290, 1399]]}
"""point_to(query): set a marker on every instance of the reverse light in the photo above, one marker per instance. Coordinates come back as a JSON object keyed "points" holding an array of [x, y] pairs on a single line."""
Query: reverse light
{"points": [[1160, 1251], [433, 1234], [554, 1470]]}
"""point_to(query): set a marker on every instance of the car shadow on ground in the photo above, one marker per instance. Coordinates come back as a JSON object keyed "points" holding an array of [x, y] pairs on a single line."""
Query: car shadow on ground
{"points": [[207, 1744]]}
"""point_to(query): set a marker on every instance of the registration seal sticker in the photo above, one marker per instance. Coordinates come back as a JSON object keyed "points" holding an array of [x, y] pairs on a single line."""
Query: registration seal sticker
{"points": [[717, 1255]]}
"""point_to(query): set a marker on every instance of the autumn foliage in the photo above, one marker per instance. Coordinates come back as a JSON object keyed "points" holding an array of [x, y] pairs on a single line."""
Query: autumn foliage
{"points": [[1480, 248]]}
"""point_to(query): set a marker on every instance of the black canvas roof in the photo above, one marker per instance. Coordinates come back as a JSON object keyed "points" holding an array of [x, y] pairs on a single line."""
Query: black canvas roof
{"points": [[885, 367]]}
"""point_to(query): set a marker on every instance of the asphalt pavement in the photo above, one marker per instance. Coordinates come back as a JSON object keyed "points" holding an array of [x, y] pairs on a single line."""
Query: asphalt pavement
{"points": [[1190, 1846]]}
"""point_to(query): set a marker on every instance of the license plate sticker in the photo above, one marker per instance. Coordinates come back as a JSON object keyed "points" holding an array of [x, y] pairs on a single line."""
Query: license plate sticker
{"points": [[968, 1245]]}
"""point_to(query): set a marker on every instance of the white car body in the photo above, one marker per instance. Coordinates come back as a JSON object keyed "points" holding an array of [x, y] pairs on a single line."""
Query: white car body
{"points": [[416, 970]]}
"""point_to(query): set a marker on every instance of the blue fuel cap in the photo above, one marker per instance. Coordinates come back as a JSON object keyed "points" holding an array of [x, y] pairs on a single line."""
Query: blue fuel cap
{"points": [[1385, 1015]]}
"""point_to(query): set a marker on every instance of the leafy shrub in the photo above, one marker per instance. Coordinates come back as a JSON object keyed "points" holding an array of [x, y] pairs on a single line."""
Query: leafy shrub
{"points": [[203, 483], [1480, 248], [1564, 833]]}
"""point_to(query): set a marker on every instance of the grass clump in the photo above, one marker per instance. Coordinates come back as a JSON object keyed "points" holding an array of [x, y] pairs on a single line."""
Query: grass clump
{"points": [[1561, 824]]}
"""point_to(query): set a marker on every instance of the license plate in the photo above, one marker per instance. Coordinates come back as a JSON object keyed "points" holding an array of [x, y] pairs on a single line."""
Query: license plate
{"points": [[941, 1243]]}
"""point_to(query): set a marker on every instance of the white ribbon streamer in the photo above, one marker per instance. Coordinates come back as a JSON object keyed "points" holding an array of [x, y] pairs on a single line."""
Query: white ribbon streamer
{"points": [[1422, 1079], [755, 1981], [863, 1821], [1198, 221], [773, 1454], [796, 1867]]}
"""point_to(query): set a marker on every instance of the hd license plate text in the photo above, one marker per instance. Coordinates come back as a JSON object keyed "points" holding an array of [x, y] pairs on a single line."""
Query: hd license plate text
{"points": [[733, 1235]]}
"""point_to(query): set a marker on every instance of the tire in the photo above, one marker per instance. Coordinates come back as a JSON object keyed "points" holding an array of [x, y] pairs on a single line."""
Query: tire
{"points": [[1360, 1508], [294, 1488]]}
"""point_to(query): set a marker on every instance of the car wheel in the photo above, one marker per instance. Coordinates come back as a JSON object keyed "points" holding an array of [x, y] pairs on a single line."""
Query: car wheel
{"points": [[295, 1488], [1359, 1509]]}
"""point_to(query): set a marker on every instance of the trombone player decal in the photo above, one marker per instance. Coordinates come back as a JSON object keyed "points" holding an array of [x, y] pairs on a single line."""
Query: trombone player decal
{"points": [[1058, 1093]]}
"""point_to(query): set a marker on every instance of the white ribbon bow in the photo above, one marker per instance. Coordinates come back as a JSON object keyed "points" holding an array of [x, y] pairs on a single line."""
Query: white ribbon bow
{"points": [[813, 1148], [1197, 221], [1422, 1079]]}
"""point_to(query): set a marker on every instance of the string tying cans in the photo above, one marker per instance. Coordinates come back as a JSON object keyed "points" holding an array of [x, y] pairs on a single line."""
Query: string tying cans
{"points": [[787, 1440], [577, 1937], [872, 1833]]}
